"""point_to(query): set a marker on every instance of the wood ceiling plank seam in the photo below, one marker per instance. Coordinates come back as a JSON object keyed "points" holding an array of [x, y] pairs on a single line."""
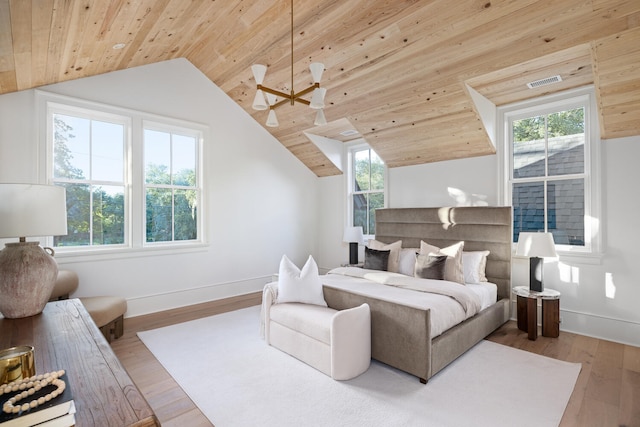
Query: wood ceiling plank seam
{"points": [[262, 35], [619, 44], [40, 29], [597, 89], [92, 44], [194, 25], [60, 21], [625, 92], [147, 13], [209, 32], [76, 37], [160, 42], [183, 28], [7, 63], [21, 38], [615, 9]]}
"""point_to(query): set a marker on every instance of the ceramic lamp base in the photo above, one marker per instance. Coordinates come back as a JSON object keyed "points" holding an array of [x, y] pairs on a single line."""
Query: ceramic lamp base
{"points": [[27, 277]]}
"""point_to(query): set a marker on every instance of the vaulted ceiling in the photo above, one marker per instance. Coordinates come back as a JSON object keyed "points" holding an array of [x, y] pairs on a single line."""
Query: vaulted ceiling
{"points": [[397, 72]]}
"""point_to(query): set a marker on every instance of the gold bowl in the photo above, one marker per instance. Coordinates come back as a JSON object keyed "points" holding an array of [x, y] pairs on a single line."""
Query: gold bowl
{"points": [[16, 363]]}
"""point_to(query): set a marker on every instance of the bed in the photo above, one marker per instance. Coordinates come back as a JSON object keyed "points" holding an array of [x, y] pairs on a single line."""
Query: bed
{"points": [[401, 333]]}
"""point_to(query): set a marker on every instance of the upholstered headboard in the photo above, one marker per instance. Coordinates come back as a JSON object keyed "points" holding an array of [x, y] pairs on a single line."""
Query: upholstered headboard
{"points": [[481, 228]]}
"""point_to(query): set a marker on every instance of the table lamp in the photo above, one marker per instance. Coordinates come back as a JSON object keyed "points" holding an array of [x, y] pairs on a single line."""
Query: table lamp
{"points": [[536, 246], [353, 236], [27, 271]]}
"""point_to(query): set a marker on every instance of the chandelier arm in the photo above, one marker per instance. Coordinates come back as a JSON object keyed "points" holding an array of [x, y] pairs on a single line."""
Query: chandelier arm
{"points": [[302, 101], [274, 92], [307, 90], [279, 103]]}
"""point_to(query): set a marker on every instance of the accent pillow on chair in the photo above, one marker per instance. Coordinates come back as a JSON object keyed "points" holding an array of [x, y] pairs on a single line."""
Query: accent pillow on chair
{"points": [[300, 285]]}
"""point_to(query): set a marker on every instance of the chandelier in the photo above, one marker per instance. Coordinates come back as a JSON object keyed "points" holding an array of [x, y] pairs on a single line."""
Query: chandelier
{"points": [[267, 98]]}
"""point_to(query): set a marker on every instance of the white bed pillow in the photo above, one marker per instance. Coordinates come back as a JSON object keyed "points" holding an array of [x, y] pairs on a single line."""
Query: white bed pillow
{"points": [[407, 261], [393, 255], [300, 285], [453, 267], [474, 264]]}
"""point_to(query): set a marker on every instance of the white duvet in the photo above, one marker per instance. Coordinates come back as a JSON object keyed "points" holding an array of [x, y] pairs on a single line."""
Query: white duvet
{"points": [[450, 303]]}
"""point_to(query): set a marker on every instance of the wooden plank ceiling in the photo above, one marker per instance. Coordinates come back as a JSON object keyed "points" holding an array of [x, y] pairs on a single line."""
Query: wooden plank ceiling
{"points": [[395, 70]]}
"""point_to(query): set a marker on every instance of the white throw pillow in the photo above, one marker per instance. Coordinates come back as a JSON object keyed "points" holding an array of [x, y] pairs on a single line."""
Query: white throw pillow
{"points": [[393, 255], [407, 261], [453, 267], [300, 285], [474, 264]]}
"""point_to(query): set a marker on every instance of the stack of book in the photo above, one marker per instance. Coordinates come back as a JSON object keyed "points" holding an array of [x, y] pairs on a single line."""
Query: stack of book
{"points": [[58, 412]]}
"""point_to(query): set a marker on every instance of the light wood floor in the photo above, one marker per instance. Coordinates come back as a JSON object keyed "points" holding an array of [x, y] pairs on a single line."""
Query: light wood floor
{"points": [[607, 392]]}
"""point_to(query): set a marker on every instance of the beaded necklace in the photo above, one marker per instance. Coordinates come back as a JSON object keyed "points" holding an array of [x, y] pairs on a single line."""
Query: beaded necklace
{"points": [[28, 387]]}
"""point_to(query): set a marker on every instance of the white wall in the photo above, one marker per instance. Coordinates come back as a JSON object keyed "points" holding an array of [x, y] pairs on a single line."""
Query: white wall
{"points": [[261, 200], [598, 299]]}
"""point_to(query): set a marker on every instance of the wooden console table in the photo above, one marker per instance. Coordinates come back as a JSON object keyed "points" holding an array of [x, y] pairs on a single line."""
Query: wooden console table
{"points": [[65, 337]]}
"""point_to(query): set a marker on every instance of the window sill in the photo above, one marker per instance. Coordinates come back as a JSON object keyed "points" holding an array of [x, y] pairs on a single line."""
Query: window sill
{"points": [[588, 258], [99, 254]]}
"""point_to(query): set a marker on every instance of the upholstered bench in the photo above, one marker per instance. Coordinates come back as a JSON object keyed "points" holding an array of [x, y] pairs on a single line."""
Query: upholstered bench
{"points": [[337, 343], [107, 312]]}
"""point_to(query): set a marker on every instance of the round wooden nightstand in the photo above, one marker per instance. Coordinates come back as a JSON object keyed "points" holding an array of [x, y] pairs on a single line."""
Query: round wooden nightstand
{"points": [[527, 305]]}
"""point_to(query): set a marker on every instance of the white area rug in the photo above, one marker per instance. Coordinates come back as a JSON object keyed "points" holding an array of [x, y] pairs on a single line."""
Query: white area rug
{"points": [[237, 380]]}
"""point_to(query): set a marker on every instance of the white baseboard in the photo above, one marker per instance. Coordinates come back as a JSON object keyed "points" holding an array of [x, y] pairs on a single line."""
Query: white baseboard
{"points": [[169, 300], [606, 328], [596, 326]]}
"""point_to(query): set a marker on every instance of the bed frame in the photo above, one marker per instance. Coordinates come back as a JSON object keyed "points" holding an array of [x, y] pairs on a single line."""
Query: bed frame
{"points": [[401, 334]]}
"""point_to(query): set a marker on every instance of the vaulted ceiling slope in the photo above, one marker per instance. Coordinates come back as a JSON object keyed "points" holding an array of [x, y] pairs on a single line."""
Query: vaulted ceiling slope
{"points": [[396, 70]]}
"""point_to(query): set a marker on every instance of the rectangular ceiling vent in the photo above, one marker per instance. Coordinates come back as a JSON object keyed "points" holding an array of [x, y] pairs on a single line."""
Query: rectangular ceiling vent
{"points": [[544, 82], [348, 132]]}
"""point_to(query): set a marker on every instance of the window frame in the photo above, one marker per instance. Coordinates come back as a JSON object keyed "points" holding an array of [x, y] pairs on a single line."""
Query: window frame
{"points": [[135, 216], [566, 100], [174, 130], [352, 148]]}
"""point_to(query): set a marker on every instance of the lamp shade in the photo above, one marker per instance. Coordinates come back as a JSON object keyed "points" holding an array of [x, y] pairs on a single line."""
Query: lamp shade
{"points": [[536, 245], [29, 210], [317, 99], [259, 71], [317, 68], [259, 103], [320, 118], [353, 235], [272, 119]]}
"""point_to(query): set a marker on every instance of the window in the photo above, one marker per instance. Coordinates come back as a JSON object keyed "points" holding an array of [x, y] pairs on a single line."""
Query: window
{"points": [[366, 188], [132, 179], [550, 176], [171, 191], [89, 160]]}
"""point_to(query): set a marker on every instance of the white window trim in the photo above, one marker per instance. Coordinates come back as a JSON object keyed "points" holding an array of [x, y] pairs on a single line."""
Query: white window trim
{"points": [[356, 145], [134, 171], [592, 252]]}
